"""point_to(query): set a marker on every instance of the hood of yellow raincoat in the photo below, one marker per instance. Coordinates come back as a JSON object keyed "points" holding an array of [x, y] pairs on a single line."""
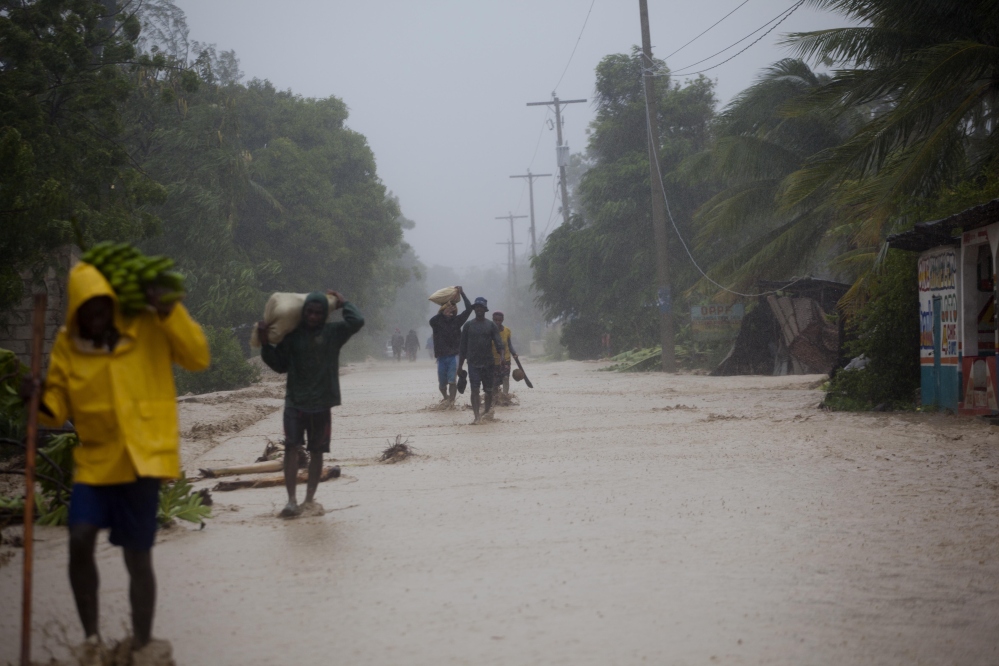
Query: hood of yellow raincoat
{"points": [[86, 282]]}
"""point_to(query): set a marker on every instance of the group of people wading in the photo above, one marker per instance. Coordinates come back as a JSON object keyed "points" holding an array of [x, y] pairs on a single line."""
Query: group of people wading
{"points": [[486, 345]]}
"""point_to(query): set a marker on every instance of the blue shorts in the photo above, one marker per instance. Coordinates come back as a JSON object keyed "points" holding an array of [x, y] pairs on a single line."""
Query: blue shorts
{"points": [[447, 370], [127, 509], [483, 376]]}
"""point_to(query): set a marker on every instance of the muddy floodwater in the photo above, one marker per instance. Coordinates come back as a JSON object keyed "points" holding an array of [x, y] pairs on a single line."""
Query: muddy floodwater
{"points": [[607, 519]]}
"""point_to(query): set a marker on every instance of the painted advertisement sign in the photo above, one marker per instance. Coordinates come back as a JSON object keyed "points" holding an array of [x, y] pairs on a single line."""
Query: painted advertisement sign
{"points": [[938, 282], [715, 322]]}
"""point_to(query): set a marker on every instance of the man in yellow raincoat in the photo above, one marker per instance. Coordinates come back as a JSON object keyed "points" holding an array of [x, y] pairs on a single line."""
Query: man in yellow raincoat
{"points": [[112, 377]]}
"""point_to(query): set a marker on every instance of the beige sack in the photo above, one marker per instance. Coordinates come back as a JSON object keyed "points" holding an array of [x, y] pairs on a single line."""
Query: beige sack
{"points": [[445, 295], [282, 314]]}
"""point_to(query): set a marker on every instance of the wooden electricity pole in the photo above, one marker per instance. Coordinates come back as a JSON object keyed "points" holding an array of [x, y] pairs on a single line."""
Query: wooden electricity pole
{"points": [[512, 274], [663, 291], [561, 152], [530, 184], [509, 265]]}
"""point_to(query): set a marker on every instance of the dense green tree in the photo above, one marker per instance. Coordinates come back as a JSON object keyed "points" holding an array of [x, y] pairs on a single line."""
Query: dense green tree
{"points": [[760, 140], [931, 68], [62, 82], [598, 271]]}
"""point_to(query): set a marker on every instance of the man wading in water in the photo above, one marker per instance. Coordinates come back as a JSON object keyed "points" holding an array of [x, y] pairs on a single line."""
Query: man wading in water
{"points": [[311, 356], [446, 326], [477, 340], [113, 377]]}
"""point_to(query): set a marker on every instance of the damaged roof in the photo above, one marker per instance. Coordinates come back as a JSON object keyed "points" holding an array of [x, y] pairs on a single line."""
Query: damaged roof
{"points": [[928, 235]]}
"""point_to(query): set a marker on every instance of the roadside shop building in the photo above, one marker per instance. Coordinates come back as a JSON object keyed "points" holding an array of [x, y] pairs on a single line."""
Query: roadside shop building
{"points": [[957, 308]]}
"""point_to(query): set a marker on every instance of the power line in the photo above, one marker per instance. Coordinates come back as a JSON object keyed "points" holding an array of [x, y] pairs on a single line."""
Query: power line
{"points": [[577, 45], [676, 229], [702, 34], [779, 18]]}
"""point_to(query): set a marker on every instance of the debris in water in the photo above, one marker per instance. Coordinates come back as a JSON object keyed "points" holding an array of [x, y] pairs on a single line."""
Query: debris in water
{"points": [[272, 451], [276, 480], [397, 452]]}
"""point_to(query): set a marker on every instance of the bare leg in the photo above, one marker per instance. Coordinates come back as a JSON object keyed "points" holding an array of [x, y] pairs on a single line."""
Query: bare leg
{"points": [[290, 480], [506, 384], [475, 405], [83, 575], [142, 594], [315, 472], [452, 392], [443, 389], [489, 401]]}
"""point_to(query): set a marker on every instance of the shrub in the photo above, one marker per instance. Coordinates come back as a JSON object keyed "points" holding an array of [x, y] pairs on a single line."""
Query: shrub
{"points": [[229, 368], [886, 331]]}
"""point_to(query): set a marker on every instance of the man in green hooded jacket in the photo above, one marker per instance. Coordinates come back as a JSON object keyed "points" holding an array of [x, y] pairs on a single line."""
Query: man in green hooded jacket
{"points": [[310, 355]]}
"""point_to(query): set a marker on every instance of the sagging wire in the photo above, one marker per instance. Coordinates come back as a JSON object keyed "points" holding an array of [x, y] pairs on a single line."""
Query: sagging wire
{"points": [[585, 21], [703, 33], [780, 18], [655, 160]]}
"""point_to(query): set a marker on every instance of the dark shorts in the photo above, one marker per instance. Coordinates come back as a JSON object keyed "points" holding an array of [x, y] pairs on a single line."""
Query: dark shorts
{"points": [[501, 371], [300, 426], [127, 509], [483, 376]]}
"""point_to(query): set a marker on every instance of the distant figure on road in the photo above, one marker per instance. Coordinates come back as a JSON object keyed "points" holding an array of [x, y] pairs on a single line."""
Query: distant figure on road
{"points": [[412, 345], [311, 356], [430, 346], [398, 342], [502, 361], [478, 339], [446, 338]]}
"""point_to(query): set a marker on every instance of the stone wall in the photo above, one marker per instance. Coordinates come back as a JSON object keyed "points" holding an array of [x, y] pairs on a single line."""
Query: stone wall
{"points": [[15, 324]]}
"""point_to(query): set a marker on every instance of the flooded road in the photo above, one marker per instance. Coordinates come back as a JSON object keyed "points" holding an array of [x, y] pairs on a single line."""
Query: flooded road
{"points": [[608, 519]]}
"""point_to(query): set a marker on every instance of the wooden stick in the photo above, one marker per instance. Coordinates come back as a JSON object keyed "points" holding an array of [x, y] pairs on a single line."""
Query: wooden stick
{"points": [[37, 340], [277, 480], [252, 468]]}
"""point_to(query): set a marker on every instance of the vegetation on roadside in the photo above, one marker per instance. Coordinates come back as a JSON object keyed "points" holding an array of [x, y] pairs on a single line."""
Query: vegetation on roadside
{"points": [[117, 126], [888, 321], [54, 472], [229, 368]]}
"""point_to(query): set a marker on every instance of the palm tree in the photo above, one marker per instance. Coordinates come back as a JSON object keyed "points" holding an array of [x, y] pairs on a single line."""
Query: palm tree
{"points": [[930, 70], [746, 228]]}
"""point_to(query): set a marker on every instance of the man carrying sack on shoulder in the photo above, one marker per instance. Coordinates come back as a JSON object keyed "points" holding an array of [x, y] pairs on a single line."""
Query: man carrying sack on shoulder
{"points": [[310, 355]]}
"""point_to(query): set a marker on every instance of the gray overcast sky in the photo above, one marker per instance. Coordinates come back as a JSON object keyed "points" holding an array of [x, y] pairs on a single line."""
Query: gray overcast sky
{"points": [[439, 88]]}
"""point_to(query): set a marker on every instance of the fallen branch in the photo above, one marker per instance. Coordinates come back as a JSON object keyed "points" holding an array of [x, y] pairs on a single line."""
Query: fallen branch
{"points": [[253, 468], [397, 452], [276, 480]]}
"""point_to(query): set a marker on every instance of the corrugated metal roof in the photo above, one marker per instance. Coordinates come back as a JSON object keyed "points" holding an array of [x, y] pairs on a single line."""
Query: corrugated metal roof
{"points": [[928, 235]]}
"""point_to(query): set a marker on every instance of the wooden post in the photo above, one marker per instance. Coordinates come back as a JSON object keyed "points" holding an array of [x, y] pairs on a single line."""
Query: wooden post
{"points": [[37, 340], [663, 285]]}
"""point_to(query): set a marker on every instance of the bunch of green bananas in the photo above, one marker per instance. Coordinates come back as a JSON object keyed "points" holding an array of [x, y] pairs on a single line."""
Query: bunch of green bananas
{"points": [[130, 273]]}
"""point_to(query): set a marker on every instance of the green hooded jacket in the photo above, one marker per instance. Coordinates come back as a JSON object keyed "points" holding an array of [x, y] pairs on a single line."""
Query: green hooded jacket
{"points": [[312, 358]]}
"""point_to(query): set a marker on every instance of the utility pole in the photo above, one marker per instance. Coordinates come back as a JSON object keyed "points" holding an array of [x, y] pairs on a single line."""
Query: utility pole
{"points": [[561, 152], [509, 265], [512, 274], [530, 184], [663, 291]]}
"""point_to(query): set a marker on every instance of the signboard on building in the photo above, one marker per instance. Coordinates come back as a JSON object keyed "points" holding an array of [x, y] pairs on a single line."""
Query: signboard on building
{"points": [[938, 313], [713, 321]]}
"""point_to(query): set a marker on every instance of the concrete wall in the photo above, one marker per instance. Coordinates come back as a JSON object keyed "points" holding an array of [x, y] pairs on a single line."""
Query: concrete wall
{"points": [[15, 324]]}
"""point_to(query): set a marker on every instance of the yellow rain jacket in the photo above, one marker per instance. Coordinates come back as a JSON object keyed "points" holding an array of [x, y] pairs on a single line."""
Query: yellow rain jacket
{"points": [[123, 402]]}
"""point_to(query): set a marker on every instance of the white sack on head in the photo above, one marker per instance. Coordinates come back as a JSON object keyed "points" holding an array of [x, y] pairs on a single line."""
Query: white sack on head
{"points": [[445, 295], [282, 314]]}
